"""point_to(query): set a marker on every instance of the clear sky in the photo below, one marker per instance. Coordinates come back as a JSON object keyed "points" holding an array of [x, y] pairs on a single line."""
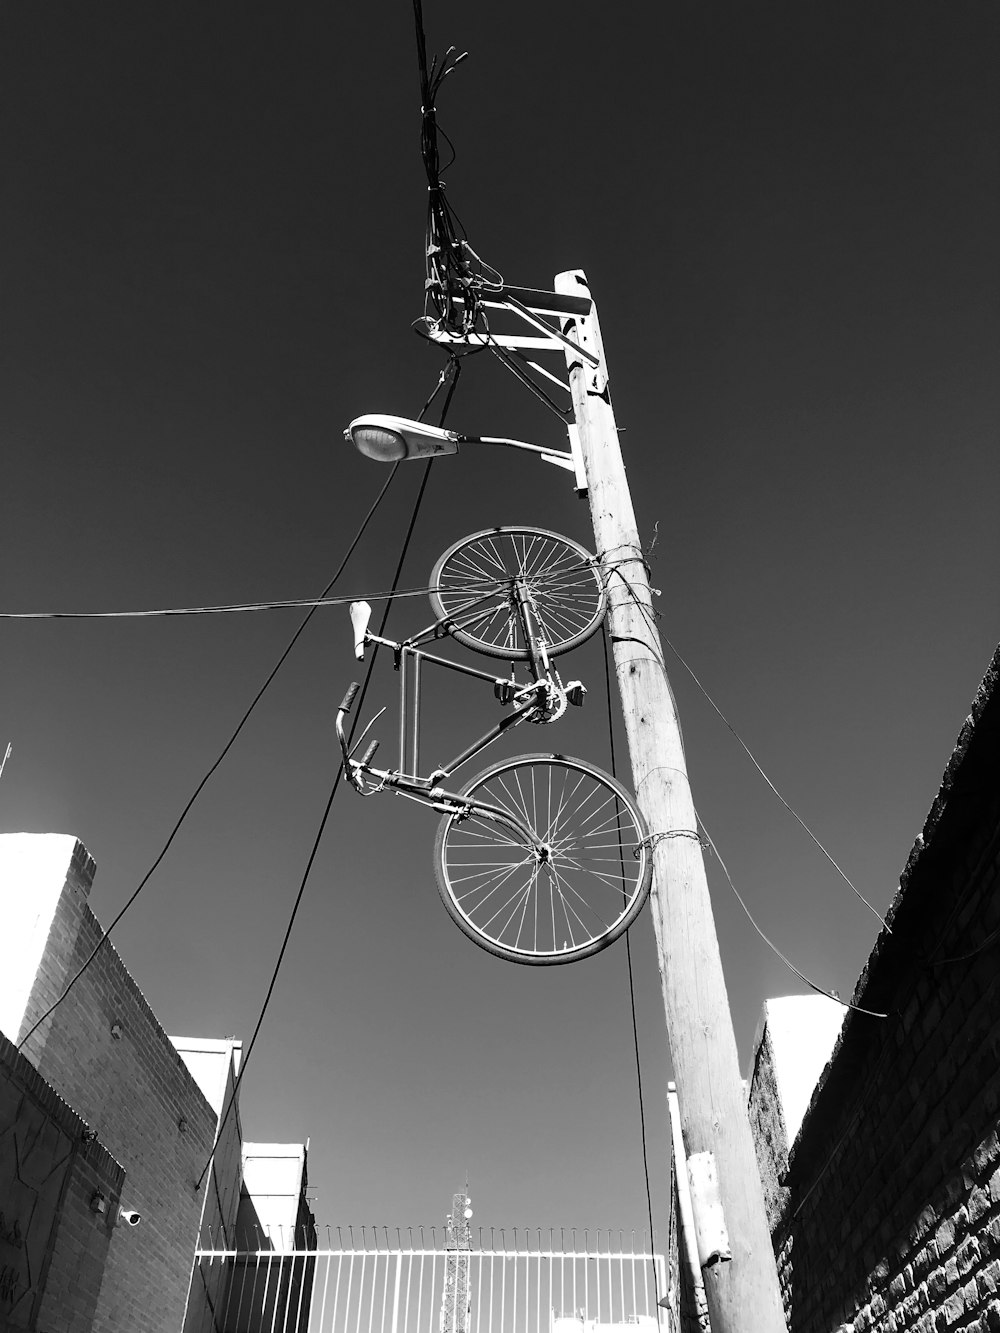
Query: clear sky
{"points": [[211, 240]]}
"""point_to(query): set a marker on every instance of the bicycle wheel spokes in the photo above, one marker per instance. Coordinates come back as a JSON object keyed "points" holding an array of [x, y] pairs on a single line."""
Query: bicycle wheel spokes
{"points": [[562, 899], [479, 575]]}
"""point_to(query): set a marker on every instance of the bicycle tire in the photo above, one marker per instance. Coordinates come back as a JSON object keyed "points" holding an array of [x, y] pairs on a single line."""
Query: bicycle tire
{"points": [[498, 892], [474, 578]]}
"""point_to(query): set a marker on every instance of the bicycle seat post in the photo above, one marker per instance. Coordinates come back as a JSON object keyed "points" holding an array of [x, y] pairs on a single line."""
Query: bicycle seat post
{"points": [[401, 668], [532, 635], [417, 659]]}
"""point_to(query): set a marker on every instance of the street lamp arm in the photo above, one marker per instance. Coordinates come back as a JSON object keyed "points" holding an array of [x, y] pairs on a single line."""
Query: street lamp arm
{"points": [[553, 454], [389, 439]]}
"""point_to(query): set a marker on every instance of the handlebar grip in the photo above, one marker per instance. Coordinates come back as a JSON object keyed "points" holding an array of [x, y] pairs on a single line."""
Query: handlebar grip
{"points": [[350, 696], [369, 754]]}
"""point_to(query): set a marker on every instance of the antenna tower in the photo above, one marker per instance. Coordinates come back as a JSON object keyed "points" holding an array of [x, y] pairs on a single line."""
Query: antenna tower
{"points": [[456, 1302]]}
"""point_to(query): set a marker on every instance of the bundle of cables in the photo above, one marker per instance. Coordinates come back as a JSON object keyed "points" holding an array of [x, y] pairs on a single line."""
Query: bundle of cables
{"points": [[454, 274]]}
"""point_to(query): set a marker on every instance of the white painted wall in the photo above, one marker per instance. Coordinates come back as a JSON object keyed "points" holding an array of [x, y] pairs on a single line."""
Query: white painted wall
{"points": [[33, 870], [209, 1060], [803, 1030], [272, 1176]]}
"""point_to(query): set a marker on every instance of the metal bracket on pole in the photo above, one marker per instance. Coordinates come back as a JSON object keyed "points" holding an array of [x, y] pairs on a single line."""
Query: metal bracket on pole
{"points": [[576, 450], [706, 1204], [554, 339]]}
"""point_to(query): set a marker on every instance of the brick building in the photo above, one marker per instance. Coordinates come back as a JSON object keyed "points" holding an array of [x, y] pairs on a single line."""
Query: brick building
{"points": [[138, 1113], [59, 1193], [885, 1201]]}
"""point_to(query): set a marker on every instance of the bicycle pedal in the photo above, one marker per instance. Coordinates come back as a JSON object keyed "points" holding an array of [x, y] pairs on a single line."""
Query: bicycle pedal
{"points": [[575, 693]]}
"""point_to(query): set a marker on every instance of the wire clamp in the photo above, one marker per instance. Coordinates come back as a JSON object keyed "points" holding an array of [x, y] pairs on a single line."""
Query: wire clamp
{"points": [[654, 838]]}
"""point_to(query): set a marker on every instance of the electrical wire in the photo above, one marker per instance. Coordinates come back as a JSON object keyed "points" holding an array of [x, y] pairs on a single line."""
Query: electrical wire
{"points": [[470, 585], [631, 990], [794, 813], [448, 376], [274, 974], [650, 618], [770, 943], [225, 750], [565, 415], [235, 608], [454, 274], [336, 783]]}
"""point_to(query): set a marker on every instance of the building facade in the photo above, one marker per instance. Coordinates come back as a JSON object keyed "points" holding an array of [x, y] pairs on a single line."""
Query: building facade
{"points": [[139, 1112], [881, 1169]]}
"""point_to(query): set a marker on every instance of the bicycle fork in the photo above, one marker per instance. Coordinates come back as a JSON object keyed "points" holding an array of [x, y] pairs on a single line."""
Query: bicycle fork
{"points": [[437, 797]]}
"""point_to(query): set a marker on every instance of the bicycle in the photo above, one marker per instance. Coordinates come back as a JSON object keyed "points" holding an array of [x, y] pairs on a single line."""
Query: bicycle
{"points": [[543, 858]]}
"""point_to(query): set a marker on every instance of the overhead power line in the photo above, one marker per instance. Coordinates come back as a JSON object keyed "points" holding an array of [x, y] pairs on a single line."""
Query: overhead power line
{"points": [[452, 382], [447, 377], [215, 764]]}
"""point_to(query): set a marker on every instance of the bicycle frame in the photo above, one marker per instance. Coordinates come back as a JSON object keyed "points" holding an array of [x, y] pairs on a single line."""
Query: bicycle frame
{"points": [[428, 789], [406, 657], [443, 627], [409, 660]]}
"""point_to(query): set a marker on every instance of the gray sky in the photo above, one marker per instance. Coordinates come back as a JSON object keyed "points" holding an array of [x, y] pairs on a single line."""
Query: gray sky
{"points": [[210, 254]]}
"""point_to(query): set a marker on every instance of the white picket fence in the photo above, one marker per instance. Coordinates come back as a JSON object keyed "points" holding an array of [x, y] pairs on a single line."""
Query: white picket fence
{"points": [[373, 1280]]}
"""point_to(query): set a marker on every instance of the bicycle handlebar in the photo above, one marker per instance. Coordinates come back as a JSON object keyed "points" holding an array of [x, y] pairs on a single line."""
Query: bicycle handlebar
{"points": [[342, 712]]}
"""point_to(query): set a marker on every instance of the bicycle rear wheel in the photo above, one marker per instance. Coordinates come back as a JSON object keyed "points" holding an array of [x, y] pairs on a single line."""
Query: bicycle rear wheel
{"points": [[559, 904], [473, 588]]}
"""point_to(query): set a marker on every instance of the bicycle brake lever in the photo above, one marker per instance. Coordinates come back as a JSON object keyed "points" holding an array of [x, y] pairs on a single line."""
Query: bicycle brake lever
{"points": [[357, 743]]}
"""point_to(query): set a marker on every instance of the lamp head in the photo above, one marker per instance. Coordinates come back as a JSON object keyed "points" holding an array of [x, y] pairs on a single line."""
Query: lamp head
{"points": [[388, 439]]}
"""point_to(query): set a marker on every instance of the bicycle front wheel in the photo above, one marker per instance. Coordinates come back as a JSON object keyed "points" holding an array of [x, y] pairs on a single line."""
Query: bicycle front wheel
{"points": [[562, 895], [473, 590]]}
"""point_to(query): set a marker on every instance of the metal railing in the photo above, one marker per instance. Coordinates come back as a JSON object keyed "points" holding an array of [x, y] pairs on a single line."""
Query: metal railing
{"points": [[377, 1280]]}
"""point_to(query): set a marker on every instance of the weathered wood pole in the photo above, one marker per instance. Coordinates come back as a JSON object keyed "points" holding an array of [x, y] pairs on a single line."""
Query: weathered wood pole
{"points": [[743, 1294]]}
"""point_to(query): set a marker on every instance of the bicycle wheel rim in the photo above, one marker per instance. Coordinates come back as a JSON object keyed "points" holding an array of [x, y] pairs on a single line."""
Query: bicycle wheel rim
{"points": [[472, 587], [544, 912]]}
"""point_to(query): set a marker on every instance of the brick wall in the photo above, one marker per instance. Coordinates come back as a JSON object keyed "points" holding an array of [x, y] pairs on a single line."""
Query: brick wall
{"points": [[767, 1124], [53, 1244], [887, 1217], [107, 1055]]}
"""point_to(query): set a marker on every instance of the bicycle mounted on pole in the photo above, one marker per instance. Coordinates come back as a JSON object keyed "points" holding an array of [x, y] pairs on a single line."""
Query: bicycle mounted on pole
{"points": [[539, 859]]}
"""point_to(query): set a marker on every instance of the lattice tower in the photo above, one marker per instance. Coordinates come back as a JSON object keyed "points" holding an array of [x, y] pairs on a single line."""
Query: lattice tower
{"points": [[456, 1302]]}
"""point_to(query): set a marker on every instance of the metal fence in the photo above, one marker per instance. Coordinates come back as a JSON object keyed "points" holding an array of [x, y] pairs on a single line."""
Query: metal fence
{"points": [[377, 1280]]}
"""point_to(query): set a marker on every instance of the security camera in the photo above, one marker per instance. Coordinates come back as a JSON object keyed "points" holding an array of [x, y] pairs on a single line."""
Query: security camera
{"points": [[130, 1216]]}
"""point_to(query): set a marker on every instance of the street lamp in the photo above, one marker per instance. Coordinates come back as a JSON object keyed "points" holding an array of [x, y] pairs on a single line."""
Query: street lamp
{"points": [[390, 439]]}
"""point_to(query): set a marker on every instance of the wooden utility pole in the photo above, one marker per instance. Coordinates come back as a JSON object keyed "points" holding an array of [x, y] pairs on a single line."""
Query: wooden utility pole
{"points": [[742, 1292]]}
